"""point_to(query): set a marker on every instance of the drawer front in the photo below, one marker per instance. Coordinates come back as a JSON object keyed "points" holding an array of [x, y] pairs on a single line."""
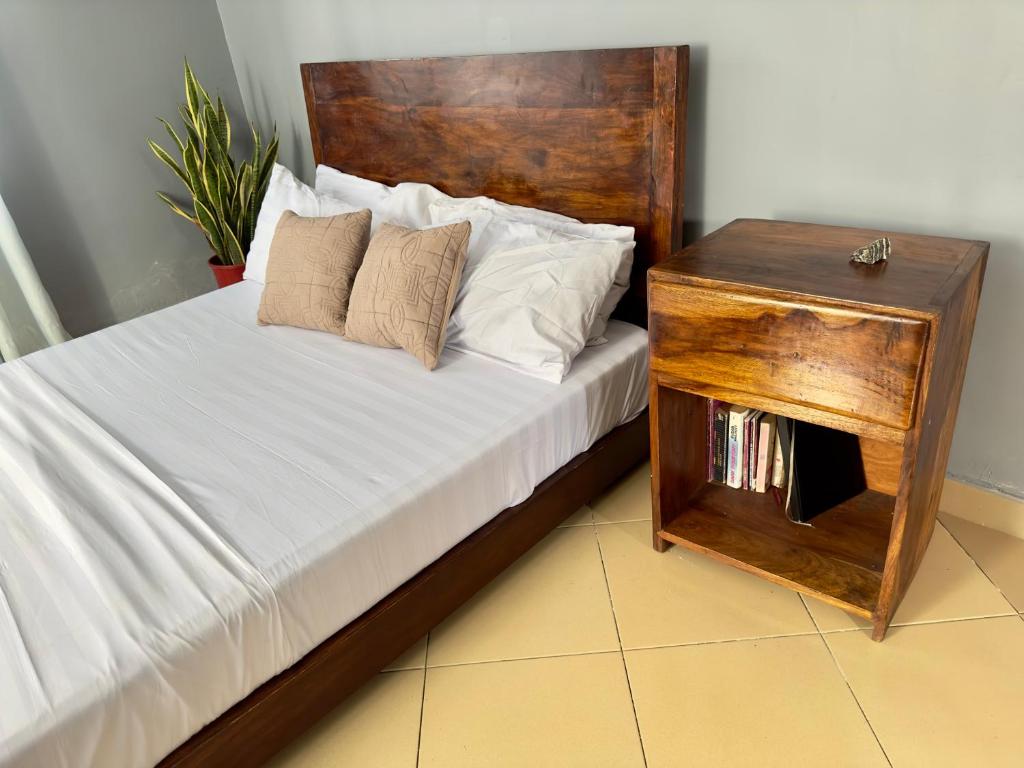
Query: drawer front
{"points": [[854, 363]]}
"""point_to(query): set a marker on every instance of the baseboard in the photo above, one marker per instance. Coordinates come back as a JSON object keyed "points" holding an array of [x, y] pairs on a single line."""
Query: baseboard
{"points": [[984, 507]]}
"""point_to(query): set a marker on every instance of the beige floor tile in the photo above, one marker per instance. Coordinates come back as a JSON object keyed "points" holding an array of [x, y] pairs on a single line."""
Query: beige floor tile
{"points": [[758, 702], [676, 597], [948, 585], [998, 554], [414, 658], [377, 726], [630, 499], [565, 711], [553, 600], [947, 694], [582, 516]]}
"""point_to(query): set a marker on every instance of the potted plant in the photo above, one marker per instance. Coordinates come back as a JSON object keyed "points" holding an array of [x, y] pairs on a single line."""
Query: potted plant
{"points": [[226, 197]]}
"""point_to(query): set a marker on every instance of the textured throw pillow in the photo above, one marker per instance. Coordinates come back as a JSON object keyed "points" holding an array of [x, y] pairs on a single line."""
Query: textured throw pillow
{"points": [[405, 289], [312, 264]]}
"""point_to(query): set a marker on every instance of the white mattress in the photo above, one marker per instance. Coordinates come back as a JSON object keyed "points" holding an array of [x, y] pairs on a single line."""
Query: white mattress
{"points": [[189, 503]]}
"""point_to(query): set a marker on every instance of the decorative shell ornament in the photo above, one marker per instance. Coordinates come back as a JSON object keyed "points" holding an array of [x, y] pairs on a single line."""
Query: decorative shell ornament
{"points": [[880, 250]]}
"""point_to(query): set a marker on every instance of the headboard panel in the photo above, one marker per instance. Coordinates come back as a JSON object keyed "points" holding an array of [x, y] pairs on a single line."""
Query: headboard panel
{"points": [[598, 135]]}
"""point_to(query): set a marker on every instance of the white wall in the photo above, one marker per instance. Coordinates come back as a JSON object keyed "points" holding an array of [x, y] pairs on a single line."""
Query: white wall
{"points": [[81, 83], [904, 115]]}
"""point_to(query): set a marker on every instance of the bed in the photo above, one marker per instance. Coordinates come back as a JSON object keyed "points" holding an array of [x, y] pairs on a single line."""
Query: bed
{"points": [[219, 548]]}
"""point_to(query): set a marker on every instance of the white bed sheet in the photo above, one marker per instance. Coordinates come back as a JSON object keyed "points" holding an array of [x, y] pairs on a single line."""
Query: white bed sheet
{"points": [[189, 503]]}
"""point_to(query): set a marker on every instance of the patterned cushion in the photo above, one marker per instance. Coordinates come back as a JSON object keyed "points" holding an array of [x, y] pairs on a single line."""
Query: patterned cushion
{"points": [[312, 263], [405, 289]]}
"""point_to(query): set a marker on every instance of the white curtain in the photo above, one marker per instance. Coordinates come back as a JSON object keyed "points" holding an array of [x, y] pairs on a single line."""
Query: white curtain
{"points": [[28, 320]]}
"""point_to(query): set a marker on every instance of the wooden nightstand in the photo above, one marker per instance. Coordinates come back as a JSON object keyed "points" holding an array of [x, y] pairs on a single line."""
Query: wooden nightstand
{"points": [[772, 315]]}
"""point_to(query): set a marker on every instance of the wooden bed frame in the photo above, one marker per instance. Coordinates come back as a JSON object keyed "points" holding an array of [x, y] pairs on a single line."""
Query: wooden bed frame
{"points": [[597, 135]]}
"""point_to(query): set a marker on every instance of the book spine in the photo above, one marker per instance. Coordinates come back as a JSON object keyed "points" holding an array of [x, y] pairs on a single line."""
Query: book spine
{"points": [[745, 456], [764, 441], [721, 438], [752, 452], [735, 451], [778, 465], [712, 404]]}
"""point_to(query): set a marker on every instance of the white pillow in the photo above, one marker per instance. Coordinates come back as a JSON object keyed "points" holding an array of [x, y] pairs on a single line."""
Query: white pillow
{"points": [[406, 204], [548, 219], [531, 308], [284, 193], [499, 227]]}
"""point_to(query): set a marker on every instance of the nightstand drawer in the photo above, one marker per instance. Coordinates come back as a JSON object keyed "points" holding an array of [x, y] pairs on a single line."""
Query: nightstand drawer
{"points": [[846, 361]]}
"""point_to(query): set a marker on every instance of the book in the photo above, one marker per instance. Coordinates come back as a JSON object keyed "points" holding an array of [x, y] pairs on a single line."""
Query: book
{"points": [[765, 452], [785, 438], [778, 466], [721, 438], [749, 422], [752, 435], [734, 455], [825, 469], [712, 407]]}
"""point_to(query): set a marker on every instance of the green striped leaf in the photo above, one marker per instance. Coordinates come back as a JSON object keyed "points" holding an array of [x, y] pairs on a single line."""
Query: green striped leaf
{"points": [[210, 227], [169, 161], [174, 136], [177, 208], [234, 249]]}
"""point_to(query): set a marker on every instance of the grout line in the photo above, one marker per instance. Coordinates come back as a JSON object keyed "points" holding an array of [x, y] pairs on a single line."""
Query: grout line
{"points": [[933, 622], [977, 564], [522, 658], [928, 622], [856, 701], [751, 639], [423, 701], [810, 615], [620, 522], [842, 674], [622, 655]]}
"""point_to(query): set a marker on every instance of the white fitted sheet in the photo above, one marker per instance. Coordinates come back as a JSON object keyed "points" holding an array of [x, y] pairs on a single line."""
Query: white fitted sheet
{"points": [[189, 503]]}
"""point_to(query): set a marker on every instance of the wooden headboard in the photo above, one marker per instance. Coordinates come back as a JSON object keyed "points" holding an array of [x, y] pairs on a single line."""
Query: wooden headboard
{"points": [[597, 135]]}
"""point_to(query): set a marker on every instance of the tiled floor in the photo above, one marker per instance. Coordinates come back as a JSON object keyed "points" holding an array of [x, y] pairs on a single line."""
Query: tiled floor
{"points": [[594, 650]]}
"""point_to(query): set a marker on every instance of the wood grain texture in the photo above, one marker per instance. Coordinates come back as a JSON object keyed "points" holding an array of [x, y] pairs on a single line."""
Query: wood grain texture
{"points": [[882, 461], [771, 315], [282, 709], [924, 468], [859, 364], [801, 411], [678, 448], [597, 135], [839, 559], [790, 260]]}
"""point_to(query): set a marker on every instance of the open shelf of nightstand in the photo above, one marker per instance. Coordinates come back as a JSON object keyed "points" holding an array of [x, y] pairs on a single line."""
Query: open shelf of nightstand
{"points": [[839, 558]]}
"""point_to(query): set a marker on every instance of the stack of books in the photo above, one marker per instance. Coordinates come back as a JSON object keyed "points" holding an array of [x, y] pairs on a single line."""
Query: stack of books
{"points": [[743, 448], [756, 451]]}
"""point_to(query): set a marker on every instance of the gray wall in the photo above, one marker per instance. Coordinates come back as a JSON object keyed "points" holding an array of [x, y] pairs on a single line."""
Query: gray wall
{"points": [[905, 115], [80, 84]]}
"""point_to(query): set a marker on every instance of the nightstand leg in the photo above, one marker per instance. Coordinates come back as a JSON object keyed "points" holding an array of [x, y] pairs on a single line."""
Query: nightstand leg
{"points": [[880, 627], [660, 544]]}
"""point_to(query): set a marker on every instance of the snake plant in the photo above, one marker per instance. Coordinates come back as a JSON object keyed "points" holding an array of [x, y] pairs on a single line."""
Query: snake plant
{"points": [[226, 197]]}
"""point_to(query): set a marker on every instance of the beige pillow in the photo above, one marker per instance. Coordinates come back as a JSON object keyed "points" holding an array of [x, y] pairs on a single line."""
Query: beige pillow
{"points": [[406, 287], [312, 263]]}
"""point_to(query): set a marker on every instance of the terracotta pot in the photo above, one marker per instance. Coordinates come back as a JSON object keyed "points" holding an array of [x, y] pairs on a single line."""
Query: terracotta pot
{"points": [[226, 275]]}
